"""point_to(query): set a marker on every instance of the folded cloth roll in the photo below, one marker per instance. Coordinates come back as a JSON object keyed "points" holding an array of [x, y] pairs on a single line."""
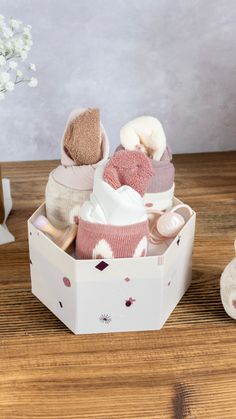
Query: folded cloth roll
{"points": [[160, 191], [70, 184], [146, 134], [114, 222]]}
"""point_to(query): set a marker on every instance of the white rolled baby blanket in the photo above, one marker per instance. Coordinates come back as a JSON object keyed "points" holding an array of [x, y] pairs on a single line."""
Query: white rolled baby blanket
{"points": [[146, 134]]}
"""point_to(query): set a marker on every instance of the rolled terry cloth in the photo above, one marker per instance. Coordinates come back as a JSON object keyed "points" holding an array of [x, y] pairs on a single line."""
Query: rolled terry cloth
{"points": [[114, 222], [82, 138], [146, 134], [160, 191], [70, 185], [130, 168]]}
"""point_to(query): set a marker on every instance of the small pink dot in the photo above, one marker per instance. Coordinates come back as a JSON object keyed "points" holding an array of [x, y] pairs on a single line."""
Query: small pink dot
{"points": [[127, 279], [67, 282], [148, 204], [234, 303]]}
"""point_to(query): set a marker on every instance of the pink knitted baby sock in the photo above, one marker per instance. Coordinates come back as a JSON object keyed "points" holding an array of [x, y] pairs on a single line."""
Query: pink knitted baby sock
{"points": [[131, 168], [99, 241]]}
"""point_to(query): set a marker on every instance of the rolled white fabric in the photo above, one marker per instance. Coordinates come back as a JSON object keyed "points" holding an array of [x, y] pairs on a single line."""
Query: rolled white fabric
{"points": [[146, 134], [122, 206]]}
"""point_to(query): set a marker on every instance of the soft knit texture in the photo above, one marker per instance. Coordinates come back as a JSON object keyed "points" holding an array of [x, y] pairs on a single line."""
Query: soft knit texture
{"points": [[82, 138], [69, 185], [146, 134], [130, 168], [163, 173], [160, 190], [98, 241]]}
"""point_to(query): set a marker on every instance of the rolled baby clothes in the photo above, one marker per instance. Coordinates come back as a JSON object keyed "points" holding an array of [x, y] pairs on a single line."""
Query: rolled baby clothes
{"points": [[160, 192], [84, 147], [114, 222], [146, 134]]}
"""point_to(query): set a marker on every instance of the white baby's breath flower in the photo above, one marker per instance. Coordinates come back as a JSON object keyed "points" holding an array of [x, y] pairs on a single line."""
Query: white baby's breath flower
{"points": [[9, 86], [27, 31], [27, 47], [13, 65], [15, 44], [19, 73], [7, 32], [32, 67], [15, 23], [33, 82], [5, 77], [9, 48], [2, 61], [23, 55]]}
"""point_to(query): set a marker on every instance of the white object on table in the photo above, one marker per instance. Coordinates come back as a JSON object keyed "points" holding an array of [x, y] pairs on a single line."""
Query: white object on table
{"points": [[5, 235]]}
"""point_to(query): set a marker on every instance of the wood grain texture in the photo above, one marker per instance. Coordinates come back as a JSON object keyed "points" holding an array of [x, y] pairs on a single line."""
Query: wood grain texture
{"points": [[2, 211], [186, 370]]}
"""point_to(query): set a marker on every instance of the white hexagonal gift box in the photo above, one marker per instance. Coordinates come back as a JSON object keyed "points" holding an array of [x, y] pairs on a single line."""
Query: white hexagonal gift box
{"points": [[111, 295]]}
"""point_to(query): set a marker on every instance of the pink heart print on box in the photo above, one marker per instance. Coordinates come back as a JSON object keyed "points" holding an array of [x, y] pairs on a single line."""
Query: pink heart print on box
{"points": [[114, 222]]}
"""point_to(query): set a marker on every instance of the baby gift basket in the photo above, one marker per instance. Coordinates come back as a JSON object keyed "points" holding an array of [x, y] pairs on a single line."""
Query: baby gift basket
{"points": [[111, 254]]}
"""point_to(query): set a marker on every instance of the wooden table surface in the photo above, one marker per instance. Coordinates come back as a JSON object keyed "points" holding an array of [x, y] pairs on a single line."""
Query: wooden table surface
{"points": [[185, 370]]}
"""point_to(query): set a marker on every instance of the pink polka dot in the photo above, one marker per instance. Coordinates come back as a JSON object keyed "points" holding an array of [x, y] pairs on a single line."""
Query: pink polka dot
{"points": [[234, 303], [149, 205], [67, 282]]}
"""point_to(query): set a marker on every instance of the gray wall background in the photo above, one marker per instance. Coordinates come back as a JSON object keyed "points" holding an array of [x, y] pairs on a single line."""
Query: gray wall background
{"points": [[173, 59]]}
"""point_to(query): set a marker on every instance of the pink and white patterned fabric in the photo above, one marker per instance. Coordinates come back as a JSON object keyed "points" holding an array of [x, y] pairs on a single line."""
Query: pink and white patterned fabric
{"points": [[113, 222], [99, 241]]}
